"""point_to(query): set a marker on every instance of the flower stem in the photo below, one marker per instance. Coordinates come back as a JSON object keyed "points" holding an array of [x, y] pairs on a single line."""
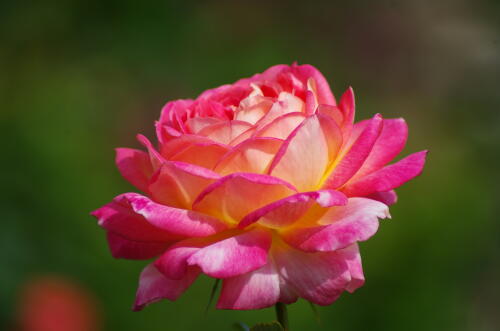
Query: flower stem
{"points": [[282, 315]]}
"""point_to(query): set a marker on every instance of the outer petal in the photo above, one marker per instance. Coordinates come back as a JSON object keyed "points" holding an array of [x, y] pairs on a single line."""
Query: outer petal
{"points": [[135, 166], [287, 211], [353, 259], [389, 198], [119, 217], [224, 255], [177, 184], [391, 141], [388, 177], [254, 290], [357, 221], [317, 277], [173, 263], [234, 196], [180, 222], [304, 156], [356, 156], [253, 155], [133, 250], [235, 255], [154, 286]]}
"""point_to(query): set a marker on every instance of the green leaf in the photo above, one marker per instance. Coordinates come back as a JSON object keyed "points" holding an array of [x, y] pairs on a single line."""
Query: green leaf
{"points": [[273, 326]]}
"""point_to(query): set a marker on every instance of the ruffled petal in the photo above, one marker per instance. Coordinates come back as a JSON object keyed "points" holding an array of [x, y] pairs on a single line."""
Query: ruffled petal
{"points": [[154, 286], [287, 211], [389, 177], [345, 225], [233, 196]]}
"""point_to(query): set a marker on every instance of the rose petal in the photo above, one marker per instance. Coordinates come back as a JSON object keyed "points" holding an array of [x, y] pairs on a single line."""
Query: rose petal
{"points": [[252, 155], [390, 142], [119, 217], [235, 195], [179, 144], [286, 103], [224, 255], [177, 184], [353, 260], [282, 126], [389, 177], [389, 198], [122, 248], [154, 286], [357, 221], [155, 157], [324, 93], [287, 211], [304, 156], [225, 132], [356, 156], [235, 255], [317, 277], [348, 107], [194, 125], [180, 222], [254, 290], [135, 166]]}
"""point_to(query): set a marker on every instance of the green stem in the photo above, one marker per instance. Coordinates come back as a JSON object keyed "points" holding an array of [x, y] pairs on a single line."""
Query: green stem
{"points": [[282, 315]]}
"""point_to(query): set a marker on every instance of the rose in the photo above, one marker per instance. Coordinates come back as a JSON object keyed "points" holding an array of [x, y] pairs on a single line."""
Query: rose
{"points": [[266, 184]]}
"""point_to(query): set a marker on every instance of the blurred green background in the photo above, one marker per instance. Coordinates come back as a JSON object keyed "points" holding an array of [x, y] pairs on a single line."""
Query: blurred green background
{"points": [[79, 78]]}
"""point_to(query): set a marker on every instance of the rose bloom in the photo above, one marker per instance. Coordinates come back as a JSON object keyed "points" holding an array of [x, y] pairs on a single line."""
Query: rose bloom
{"points": [[266, 183]]}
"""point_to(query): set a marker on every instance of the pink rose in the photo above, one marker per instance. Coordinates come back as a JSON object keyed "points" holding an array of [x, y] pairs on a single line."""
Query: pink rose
{"points": [[266, 183]]}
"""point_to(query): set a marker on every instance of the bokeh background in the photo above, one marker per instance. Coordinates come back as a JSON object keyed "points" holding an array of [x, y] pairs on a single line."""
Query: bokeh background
{"points": [[78, 78]]}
